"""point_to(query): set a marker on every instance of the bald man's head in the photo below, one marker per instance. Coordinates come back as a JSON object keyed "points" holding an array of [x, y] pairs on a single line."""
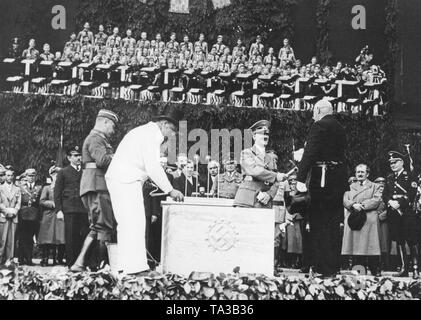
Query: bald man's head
{"points": [[321, 109]]}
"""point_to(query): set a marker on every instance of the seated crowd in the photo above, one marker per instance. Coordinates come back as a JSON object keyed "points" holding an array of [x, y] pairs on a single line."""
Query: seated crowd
{"points": [[201, 72]]}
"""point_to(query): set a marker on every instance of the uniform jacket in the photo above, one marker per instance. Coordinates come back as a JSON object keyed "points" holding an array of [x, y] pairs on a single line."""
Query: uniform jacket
{"points": [[66, 191], [326, 142], [227, 184], [403, 189], [180, 184], [9, 199], [96, 149], [30, 202], [257, 178], [137, 158]]}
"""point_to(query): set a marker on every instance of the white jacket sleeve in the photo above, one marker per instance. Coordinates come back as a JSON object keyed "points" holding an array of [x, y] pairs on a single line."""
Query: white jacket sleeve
{"points": [[152, 166]]}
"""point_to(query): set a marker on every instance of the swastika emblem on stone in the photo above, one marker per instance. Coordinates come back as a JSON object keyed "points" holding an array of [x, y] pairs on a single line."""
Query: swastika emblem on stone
{"points": [[222, 235]]}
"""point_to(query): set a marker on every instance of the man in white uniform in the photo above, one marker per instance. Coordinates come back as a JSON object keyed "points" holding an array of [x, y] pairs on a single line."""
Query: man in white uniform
{"points": [[136, 160]]}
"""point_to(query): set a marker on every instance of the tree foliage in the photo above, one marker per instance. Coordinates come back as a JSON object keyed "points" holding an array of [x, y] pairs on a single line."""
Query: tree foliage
{"points": [[32, 124]]}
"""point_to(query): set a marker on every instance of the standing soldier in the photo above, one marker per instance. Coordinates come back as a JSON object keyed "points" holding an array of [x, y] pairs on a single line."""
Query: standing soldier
{"points": [[227, 183], [404, 227], [28, 217], [259, 185], [97, 154]]}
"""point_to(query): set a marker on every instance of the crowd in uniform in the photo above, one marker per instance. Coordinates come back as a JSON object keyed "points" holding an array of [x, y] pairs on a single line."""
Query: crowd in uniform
{"points": [[230, 68], [318, 215]]}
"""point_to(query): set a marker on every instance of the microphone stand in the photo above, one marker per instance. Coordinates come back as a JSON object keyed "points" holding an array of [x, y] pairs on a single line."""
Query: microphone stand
{"points": [[185, 184], [217, 180], [207, 169], [196, 158]]}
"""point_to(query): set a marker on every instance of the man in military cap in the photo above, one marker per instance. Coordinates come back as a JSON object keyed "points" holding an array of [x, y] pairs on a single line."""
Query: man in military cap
{"points": [[404, 227], [97, 154], [227, 184], [259, 185], [28, 216], [322, 166], [69, 206], [14, 50]]}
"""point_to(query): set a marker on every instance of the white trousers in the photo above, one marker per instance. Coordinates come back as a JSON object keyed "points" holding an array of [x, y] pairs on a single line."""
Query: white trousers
{"points": [[129, 212]]}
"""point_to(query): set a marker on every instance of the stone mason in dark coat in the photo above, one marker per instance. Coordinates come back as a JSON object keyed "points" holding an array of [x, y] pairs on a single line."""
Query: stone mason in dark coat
{"points": [[322, 167], [28, 217], [67, 202]]}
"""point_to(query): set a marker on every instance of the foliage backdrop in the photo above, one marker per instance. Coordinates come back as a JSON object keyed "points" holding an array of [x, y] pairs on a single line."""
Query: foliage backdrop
{"points": [[31, 127]]}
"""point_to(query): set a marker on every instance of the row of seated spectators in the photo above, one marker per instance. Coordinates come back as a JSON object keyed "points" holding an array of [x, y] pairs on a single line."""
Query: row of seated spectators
{"points": [[124, 67]]}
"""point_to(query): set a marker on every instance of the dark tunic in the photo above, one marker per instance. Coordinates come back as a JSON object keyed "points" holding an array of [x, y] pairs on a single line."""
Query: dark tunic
{"points": [[52, 229], [66, 198], [405, 227]]}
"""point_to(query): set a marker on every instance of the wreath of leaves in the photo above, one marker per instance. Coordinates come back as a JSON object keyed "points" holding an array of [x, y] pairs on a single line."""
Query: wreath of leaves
{"points": [[16, 283]]}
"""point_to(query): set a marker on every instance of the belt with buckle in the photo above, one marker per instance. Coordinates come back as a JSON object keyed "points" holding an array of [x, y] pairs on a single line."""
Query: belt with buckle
{"points": [[324, 165]]}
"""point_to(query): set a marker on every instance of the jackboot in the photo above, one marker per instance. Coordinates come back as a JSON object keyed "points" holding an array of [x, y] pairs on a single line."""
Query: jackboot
{"points": [[385, 261], [276, 257], [44, 255], [374, 265], [28, 254], [404, 271], [414, 256], [59, 254], [21, 254]]}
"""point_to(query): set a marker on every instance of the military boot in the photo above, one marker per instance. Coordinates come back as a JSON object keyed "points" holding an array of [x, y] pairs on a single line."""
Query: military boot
{"points": [[414, 256], [404, 270]]}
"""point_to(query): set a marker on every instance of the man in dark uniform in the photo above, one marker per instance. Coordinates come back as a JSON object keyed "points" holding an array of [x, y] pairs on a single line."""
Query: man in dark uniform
{"points": [[97, 154], [259, 186], [322, 166], [69, 206], [28, 217], [399, 195]]}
